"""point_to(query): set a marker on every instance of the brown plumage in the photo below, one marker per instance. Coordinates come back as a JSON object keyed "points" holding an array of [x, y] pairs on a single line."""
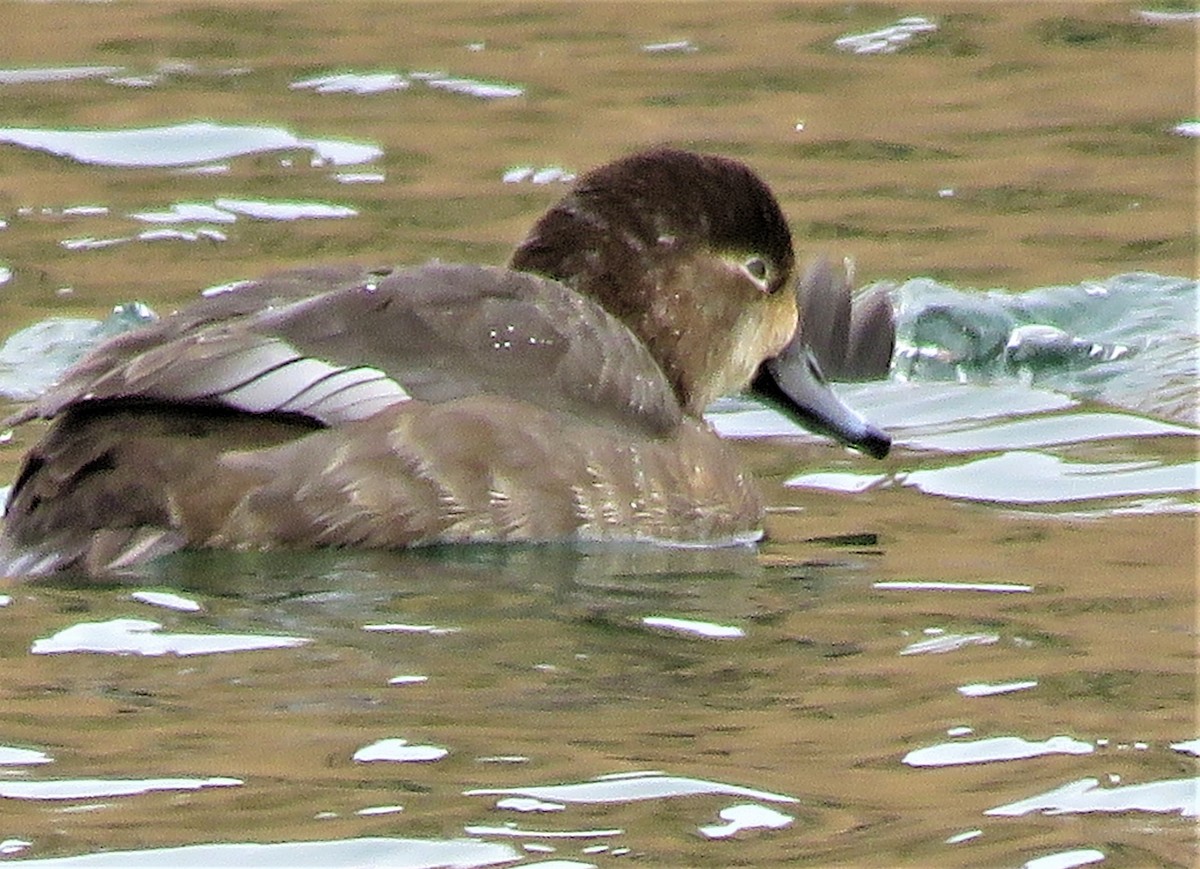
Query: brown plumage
{"points": [[388, 407]]}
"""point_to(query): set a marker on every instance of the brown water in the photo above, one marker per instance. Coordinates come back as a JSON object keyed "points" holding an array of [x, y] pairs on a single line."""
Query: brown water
{"points": [[1050, 124]]}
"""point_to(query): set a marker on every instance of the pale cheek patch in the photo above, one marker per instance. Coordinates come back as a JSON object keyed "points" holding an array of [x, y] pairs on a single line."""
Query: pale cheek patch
{"points": [[761, 334]]}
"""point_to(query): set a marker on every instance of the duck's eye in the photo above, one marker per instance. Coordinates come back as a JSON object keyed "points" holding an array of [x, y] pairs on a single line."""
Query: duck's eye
{"points": [[758, 270]]}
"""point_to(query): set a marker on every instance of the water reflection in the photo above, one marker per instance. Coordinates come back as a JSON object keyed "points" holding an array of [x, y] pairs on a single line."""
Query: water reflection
{"points": [[399, 751], [1023, 477], [181, 145], [1180, 796], [142, 637], [10, 756], [746, 816], [1066, 859], [38, 75], [167, 600], [995, 749], [345, 854], [982, 689], [631, 787], [90, 789]]}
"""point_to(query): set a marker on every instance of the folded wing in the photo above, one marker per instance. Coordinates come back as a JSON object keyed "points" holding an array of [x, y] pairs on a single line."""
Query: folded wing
{"points": [[341, 344]]}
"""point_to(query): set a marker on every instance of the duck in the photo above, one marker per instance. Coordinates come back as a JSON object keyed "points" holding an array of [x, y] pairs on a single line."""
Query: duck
{"points": [[558, 398]]}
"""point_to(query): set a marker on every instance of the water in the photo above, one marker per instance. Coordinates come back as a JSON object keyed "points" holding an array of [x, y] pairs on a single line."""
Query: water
{"points": [[1009, 598]]}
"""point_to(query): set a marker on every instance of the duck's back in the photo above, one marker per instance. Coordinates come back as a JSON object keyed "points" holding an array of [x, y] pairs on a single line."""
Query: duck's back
{"points": [[353, 406]]}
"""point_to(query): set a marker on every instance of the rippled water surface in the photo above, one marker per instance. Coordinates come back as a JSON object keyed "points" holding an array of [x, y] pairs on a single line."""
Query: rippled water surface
{"points": [[979, 651]]}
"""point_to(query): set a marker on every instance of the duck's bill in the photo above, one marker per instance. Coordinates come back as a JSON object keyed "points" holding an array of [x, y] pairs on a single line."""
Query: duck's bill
{"points": [[793, 383]]}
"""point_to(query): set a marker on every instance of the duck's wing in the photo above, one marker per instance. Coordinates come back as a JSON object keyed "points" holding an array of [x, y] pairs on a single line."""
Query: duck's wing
{"points": [[852, 336], [341, 344], [823, 300], [872, 334]]}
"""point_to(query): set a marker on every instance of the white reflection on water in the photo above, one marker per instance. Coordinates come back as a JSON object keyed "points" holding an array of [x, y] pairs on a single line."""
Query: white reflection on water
{"points": [[631, 787], [359, 177], [484, 90], [994, 749], [407, 680], [1046, 431], [948, 643], [270, 210], [370, 811], [837, 481], [514, 831], [227, 211], [13, 846], [679, 46], [745, 816], [1171, 795], [886, 40], [344, 854], [186, 212], [548, 175], [40, 75], [399, 751], [929, 404], [694, 627], [88, 789], [433, 630], [1023, 477], [528, 804], [168, 600], [140, 637], [92, 243], [982, 689], [353, 83], [365, 83], [1066, 859], [1000, 587], [181, 144], [10, 756]]}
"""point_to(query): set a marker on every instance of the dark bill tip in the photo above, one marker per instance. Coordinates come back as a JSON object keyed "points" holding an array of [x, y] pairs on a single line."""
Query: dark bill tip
{"points": [[793, 383]]}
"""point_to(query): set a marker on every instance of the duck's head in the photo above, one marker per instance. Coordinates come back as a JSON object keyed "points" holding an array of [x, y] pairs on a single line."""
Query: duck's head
{"points": [[690, 251]]}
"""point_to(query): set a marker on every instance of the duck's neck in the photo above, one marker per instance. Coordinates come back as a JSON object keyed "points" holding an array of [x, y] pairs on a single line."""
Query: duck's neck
{"points": [[623, 270]]}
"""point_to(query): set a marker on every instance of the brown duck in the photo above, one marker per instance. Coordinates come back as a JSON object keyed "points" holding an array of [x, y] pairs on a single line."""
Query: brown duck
{"points": [[557, 399]]}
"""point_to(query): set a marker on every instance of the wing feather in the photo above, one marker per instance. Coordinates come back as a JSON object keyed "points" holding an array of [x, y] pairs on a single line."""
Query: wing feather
{"points": [[343, 343]]}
